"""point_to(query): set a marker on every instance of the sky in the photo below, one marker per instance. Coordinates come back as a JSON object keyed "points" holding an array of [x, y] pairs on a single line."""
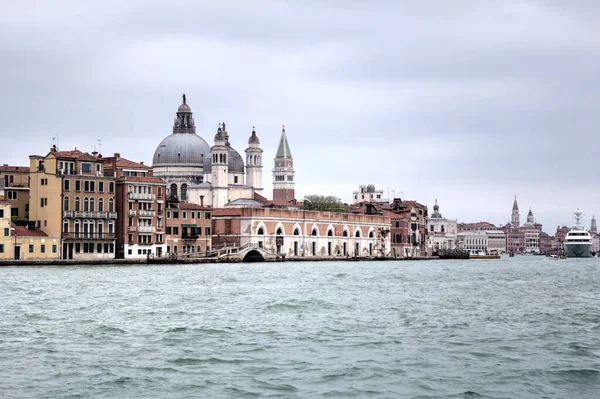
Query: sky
{"points": [[469, 102]]}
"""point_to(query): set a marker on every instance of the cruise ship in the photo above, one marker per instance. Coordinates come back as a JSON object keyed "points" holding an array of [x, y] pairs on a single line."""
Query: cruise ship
{"points": [[578, 242]]}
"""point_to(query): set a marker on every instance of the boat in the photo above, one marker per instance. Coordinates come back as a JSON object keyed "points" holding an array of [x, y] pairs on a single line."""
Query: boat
{"points": [[483, 255], [578, 241]]}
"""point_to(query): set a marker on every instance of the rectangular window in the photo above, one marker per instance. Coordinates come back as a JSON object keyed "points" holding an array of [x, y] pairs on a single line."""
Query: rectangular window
{"points": [[168, 214], [6, 232], [11, 195], [111, 187], [86, 168], [77, 247], [168, 230], [100, 186], [1, 213], [185, 215], [67, 185], [207, 229], [31, 248], [1, 248], [77, 185], [99, 248], [207, 215], [175, 230], [86, 186], [14, 212], [193, 215], [54, 248], [92, 186], [175, 215], [43, 248]]}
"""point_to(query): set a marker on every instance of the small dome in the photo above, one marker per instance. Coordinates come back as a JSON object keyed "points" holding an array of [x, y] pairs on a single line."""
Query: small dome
{"points": [[177, 149], [253, 138], [184, 108], [370, 188], [235, 163], [436, 207], [219, 136]]}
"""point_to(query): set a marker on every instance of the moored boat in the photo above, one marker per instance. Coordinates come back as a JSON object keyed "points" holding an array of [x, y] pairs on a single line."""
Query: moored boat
{"points": [[578, 241]]}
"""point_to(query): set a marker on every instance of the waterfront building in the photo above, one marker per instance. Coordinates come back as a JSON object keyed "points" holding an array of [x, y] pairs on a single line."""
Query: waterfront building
{"points": [[188, 228], [192, 169], [15, 181], [593, 225], [71, 198], [24, 242], [478, 226], [473, 241], [496, 240], [399, 234], [140, 204], [532, 231], [515, 240], [298, 233], [441, 231], [368, 193]]}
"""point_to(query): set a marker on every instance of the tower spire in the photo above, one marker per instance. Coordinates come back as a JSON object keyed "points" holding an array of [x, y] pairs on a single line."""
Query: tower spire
{"points": [[283, 171]]}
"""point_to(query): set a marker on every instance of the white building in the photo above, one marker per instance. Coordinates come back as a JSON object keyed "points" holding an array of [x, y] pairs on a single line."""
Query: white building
{"points": [[369, 194], [211, 176], [442, 231], [473, 241], [496, 240]]}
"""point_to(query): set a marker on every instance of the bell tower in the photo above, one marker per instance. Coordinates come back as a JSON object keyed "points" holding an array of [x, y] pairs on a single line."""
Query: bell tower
{"points": [[515, 219], [219, 154], [254, 163], [283, 172]]}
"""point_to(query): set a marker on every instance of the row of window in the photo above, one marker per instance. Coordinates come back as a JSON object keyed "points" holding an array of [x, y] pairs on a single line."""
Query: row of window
{"points": [[90, 248], [88, 227], [314, 232], [11, 194], [88, 204], [184, 214], [89, 186], [283, 178], [32, 248], [186, 231]]}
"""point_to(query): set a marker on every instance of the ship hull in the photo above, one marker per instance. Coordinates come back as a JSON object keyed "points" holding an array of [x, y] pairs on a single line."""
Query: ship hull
{"points": [[578, 250]]}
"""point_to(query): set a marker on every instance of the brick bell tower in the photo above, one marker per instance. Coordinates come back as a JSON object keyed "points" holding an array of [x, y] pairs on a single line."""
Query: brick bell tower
{"points": [[283, 172]]}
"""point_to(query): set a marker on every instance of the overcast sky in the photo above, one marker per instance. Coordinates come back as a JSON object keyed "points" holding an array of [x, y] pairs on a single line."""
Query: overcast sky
{"points": [[470, 102]]}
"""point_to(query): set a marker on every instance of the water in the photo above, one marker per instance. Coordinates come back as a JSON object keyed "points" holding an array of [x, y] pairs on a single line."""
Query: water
{"points": [[517, 327]]}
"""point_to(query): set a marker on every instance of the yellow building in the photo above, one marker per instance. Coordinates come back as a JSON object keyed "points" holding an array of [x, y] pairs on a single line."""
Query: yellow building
{"points": [[15, 180], [71, 198], [24, 243]]}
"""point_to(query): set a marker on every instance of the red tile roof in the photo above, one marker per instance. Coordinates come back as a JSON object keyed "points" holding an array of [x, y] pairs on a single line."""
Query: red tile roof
{"points": [[227, 212], [260, 198], [8, 168], [76, 154], [22, 231], [142, 179], [126, 163], [193, 207]]}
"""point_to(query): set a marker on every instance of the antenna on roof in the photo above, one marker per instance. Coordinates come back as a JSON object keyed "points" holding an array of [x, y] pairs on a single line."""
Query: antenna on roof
{"points": [[55, 140], [99, 146]]}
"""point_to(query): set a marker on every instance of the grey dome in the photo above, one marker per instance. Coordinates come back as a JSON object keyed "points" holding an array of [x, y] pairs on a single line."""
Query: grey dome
{"points": [[184, 108], [370, 188], [253, 138], [235, 162], [181, 149]]}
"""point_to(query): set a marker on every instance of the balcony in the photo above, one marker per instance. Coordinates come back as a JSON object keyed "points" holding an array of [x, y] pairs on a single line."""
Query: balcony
{"points": [[112, 215], [68, 214], [190, 237], [146, 229], [88, 236], [141, 196], [131, 212], [147, 213]]}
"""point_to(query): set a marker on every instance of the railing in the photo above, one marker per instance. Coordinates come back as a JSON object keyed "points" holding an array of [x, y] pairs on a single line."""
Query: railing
{"points": [[132, 228], [141, 196], [146, 229], [190, 237], [131, 212], [83, 236], [112, 215], [68, 214], [88, 215], [146, 214]]}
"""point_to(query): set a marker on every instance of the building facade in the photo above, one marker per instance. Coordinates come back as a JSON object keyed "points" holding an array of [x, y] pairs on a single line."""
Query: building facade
{"points": [[15, 181], [441, 231], [473, 241], [283, 172], [140, 204], [296, 233], [71, 198], [189, 228], [369, 194]]}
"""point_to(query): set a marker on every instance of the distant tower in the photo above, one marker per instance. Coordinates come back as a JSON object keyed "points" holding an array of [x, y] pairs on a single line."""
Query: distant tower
{"points": [[530, 218], [283, 172], [515, 219], [219, 153], [593, 227], [254, 163]]}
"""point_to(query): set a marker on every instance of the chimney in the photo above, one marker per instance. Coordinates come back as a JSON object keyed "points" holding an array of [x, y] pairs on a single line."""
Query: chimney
{"points": [[117, 156], [141, 163], [202, 201], [53, 147]]}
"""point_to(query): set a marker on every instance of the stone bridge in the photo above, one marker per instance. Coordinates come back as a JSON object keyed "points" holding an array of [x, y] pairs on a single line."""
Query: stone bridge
{"points": [[245, 253]]}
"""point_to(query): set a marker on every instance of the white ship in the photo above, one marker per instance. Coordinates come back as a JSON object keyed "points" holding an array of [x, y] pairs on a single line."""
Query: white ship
{"points": [[578, 241]]}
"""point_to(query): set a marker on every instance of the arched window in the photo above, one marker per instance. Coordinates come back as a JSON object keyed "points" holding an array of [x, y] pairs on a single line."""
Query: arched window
{"points": [[357, 234], [100, 205], [184, 192], [65, 226], [371, 234], [66, 204], [92, 204], [296, 232], [314, 232], [110, 227], [173, 192], [345, 233], [224, 158], [77, 204], [261, 231], [330, 233], [86, 204], [397, 238], [111, 205], [279, 231]]}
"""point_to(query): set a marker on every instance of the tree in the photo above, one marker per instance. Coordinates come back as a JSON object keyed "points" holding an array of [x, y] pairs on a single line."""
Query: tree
{"points": [[327, 203]]}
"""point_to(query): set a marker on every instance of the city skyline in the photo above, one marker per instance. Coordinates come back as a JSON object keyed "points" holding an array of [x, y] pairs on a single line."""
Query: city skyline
{"points": [[488, 102]]}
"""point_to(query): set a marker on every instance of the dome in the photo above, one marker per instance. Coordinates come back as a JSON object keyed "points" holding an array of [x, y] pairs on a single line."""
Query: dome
{"points": [[253, 138], [370, 188], [184, 108], [235, 163], [184, 149]]}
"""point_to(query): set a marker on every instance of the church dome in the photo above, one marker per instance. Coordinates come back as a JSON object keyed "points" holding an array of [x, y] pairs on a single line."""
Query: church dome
{"points": [[184, 146], [370, 188], [235, 162], [253, 137], [181, 149]]}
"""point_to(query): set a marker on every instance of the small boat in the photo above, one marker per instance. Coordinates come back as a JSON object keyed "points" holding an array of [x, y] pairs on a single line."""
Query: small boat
{"points": [[483, 255]]}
